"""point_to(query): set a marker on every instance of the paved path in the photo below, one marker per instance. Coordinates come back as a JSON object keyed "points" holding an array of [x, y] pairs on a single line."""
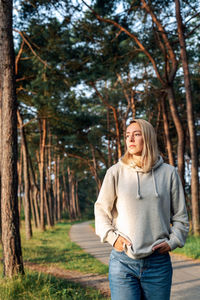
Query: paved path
{"points": [[186, 276]]}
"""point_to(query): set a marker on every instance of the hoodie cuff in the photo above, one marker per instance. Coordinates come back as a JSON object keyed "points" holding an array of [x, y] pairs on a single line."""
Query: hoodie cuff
{"points": [[111, 237], [173, 243]]}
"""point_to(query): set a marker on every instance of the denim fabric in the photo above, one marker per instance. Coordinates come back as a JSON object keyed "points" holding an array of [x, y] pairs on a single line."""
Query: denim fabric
{"points": [[135, 279]]}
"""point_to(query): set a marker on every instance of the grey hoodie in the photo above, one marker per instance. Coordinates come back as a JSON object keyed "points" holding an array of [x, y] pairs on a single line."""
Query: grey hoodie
{"points": [[145, 208]]}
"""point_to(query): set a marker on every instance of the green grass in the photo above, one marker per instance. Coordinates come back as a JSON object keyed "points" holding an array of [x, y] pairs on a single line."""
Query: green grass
{"points": [[191, 248], [52, 247], [92, 224], [55, 247], [35, 285]]}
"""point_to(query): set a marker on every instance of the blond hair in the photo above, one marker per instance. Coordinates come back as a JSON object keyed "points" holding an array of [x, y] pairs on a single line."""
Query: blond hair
{"points": [[150, 148]]}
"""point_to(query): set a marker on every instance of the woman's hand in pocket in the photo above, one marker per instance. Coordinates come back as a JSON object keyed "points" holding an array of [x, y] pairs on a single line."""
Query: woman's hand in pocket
{"points": [[119, 243], [162, 248]]}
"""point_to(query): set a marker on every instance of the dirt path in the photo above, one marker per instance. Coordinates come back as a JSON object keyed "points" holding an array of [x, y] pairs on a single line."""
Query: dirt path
{"points": [[99, 282]]}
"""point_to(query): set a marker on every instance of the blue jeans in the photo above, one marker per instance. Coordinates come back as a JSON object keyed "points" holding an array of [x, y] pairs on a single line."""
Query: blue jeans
{"points": [[148, 278]]}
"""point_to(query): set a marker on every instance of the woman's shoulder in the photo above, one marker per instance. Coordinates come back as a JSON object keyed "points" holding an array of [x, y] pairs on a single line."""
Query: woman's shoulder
{"points": [[168, 168], [114, 168]]}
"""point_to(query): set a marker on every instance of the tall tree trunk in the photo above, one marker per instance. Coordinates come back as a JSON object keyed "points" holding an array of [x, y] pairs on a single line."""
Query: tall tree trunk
{"points": [[58, 189], [108, 138], [0, 146], [19, 172], [32, 208], [47, 210], [73, 199], [46, 188], [166, 131], [27, 209], [94, 168], [71, 193], [78, 212], [49, 181], [12, 254], [34, 191], [42, 171], [55, 189], [66, 194], [191, 124], [180, 133]]}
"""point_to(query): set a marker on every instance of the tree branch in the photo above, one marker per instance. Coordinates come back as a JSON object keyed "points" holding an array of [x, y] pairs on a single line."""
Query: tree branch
{"points": [[172, 55], [32, 50], [140, 45]]}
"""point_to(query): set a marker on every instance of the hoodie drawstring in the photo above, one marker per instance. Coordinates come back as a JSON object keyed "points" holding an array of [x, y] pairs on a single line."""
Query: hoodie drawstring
{"points": [[138, 185], [154, 183]]}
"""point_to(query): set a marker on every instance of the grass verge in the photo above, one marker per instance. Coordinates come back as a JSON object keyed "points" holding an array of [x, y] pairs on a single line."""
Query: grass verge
{"points": [[35, 285], [52, 247], [191, 248]]}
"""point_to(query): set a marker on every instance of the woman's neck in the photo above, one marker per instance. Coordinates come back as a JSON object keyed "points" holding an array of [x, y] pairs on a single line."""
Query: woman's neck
{"points": [[137, 160]]}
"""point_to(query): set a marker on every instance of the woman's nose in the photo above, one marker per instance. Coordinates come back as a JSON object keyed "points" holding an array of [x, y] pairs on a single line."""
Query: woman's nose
{"points": [[132, 137]]}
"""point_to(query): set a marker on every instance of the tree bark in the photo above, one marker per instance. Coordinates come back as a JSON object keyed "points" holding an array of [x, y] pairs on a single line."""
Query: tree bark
{"points": [[108, 138], [166, 131], [49, 181], [27, 209], [34, 191], [71, 193], [19, 172], [12, 254], [191, 124], [55, 189], [98, 181], [180, 132], [58, 189], [42, 172], [65, 203], [78, 212]]}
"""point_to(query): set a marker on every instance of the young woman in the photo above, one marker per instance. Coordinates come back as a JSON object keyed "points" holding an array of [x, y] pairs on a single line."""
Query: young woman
{"points": [[141, 212]]}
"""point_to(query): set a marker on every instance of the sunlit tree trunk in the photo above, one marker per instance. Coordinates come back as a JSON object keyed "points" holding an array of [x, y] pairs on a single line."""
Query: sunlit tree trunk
{"points": [[27, 208], [55, 189], [58, 189], [34, 192], [65, 203], [49, 181], [19, 172], [180, 133], [12, 254], [42, 171], [191, 124], [166, 131], [71, 193], [78, 212], [108, 138], [94, 168]]}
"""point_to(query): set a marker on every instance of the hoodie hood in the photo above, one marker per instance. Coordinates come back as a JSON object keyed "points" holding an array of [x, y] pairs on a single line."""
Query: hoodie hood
{"points": [[138, 170], [133, 165]]}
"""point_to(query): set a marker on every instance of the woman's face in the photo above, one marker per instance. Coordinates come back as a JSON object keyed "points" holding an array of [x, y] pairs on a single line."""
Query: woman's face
{"points": [[134, 139]]}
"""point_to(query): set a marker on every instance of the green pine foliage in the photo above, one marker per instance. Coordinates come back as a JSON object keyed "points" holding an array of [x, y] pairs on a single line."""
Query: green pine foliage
{"points": [[70, 53]]}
